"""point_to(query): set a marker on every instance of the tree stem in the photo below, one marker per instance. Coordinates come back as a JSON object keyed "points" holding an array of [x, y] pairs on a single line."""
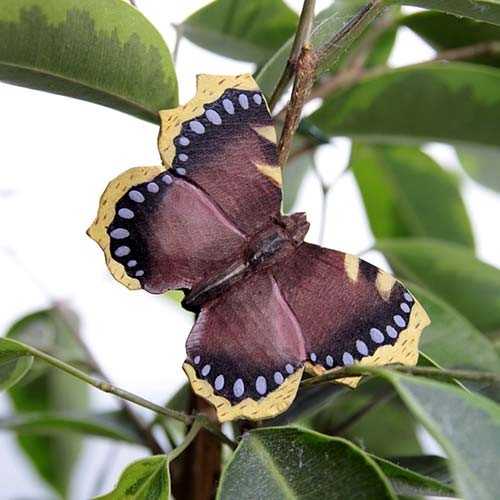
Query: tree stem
{"points": [[424, 371]]}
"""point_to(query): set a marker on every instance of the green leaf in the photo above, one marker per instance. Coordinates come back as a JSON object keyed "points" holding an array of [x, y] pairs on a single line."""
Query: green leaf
{"points": [[451, 272], [443, 32], [48, 390], [104, 52], [451, 340], [287, 463], [112, 425], [481, 10], [326, 23], [407, 482], [466, 425], [432, 466], [482, 164], [293, 175], [15, 362], [406, 193], [146, 479], [457, 103], [247, 31]]}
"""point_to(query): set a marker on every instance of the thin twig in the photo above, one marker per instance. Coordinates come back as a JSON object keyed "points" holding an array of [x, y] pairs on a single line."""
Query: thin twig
{"points": [[178, 37], [122, 393], [302, 38], [424, 371], [134, 418], [198, 424]]}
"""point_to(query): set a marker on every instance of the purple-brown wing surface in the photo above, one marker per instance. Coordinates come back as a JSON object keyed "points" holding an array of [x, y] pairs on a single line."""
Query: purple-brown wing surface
{"points": [[350, 312], [173, 228], [246, 351]]}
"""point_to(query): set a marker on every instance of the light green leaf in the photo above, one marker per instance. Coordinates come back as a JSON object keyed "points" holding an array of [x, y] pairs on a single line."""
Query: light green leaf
{"points": [[444, 32], [457, 103], [146, 479], [288, 463], [112, 425], [406, 193], [481, 10], [482, 164], [293, 175], [248, 31], [15, 362], [104, 52], [431, 466], [466, 425], [451, 272], [50, 390], [407, 482], [451, 340]]}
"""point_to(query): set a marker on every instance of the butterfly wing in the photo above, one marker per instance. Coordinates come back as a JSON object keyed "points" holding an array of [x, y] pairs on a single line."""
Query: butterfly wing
{"points": [[159, 232], [350, 312], [224, 141], [168, 229], [246, 351]]}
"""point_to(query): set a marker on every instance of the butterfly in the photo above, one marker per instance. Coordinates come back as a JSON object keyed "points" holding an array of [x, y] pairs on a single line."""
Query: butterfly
{"points": [[268, 305]]}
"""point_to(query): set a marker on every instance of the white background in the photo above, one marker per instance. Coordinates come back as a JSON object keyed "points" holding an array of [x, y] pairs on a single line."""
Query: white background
{"points": [[57, 155]]}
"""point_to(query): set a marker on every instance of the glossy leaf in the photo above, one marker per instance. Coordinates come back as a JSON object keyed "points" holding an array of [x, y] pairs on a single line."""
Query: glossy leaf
{"points": [[466, 425], [457, 103], [451, 272], [293, 175], [146, 479], [481, 10], [112, 425], [406, 193], [15, 362], [49, 390], [451, 340], [248, 31], [407, 482], [482, 164], [277, 463], [104, 52], [444, 32], [326, 23]]}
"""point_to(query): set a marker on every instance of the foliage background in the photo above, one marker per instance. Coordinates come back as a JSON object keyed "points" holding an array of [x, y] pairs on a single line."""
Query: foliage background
{"points": [[58, 154]]}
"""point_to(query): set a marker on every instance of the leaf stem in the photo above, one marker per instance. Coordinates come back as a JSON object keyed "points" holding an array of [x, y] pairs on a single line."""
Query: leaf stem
{"points": [[198, 424], [424, 371]]}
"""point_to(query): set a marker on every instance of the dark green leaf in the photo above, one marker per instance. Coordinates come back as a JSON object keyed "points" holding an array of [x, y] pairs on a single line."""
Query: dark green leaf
{"points": [[451, 272], [50, 390], [407, 482], [112, 425], [15, 362], [451, 340], [104, 52], [482, 164], [431, 466], [481, 10], [146, 479], [444, 32], [248, 31], [288, 463], [357, 416], [448, 103], [466, 425], [406, 193]]}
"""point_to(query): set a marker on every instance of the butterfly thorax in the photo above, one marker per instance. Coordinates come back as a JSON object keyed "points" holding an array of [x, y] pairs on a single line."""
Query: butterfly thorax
{"points": [[267, 248]]}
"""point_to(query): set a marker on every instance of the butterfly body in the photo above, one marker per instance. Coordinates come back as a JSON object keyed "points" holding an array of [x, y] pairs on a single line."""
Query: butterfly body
{"points": [[268, 304]]}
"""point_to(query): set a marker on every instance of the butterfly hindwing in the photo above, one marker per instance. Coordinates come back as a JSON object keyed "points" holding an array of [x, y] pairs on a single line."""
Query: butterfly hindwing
{"points": [[350, 311], [246, 351]]}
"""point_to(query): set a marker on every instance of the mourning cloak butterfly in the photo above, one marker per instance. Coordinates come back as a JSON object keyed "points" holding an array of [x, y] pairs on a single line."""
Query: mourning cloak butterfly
{"points": [[268, 305]]}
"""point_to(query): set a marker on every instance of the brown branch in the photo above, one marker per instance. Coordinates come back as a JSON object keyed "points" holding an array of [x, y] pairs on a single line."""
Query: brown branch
{"points": [[302, 39]]}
